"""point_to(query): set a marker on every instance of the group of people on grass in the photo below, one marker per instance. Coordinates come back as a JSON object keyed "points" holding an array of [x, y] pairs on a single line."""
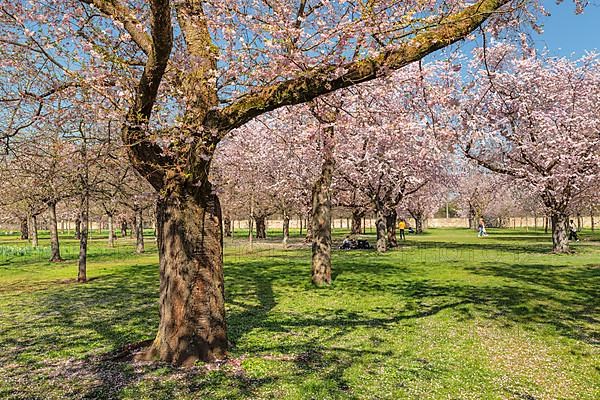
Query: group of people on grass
{"points": [[352, 243]]}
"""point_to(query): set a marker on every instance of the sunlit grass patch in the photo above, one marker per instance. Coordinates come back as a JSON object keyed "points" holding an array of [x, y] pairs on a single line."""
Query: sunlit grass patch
{"points": [[444, 316]]}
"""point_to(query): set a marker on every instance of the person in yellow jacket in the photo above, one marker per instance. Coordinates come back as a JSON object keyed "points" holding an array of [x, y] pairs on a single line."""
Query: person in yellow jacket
{"points": [[401, 228]]}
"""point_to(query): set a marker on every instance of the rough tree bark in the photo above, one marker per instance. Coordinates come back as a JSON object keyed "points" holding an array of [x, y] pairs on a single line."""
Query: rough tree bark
{"points": [[139, 231], [24, 229], [391, 218], [560, 242], [54, 242], [418, 223], [192, 308], [321, 215], [261, 226], [357, 216]]}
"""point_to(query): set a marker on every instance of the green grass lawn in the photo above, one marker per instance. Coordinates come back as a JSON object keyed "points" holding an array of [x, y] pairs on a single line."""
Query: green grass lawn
{"points": [[446, 316]]}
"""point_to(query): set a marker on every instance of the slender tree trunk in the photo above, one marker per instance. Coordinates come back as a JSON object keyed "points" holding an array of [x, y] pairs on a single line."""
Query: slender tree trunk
{"points": [[34, 231], [592, 218], [381, 230], [286, 229], [192, 307], [357, 216], [54, 242], [261, 227], [111, 231], [78, 227], [83, 241], [134, 227], [123, 228], [390, 223], [309, 229], [321, 215], [227, 226], [139, 231], [560, 242], [300, 225], [250, 228], [472, 224], [24, 229]]}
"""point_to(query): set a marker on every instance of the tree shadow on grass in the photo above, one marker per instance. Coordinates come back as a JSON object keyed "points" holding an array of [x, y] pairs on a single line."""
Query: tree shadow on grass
{"points": [[524, 247]]}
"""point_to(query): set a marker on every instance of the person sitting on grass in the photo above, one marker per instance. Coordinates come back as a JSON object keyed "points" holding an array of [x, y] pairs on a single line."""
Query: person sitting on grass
{"points": [[347, 243], [573, 232]]}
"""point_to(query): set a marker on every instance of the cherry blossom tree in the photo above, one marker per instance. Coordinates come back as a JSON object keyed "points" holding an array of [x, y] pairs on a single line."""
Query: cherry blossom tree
{"points": [[536, 120]]}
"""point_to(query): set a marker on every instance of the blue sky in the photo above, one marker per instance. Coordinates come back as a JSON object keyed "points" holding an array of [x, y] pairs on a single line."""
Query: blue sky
{"points": [[566, 33]]}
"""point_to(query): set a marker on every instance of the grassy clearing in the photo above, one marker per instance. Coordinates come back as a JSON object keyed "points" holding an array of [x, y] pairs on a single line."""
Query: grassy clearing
{"points": [[448, 315]]}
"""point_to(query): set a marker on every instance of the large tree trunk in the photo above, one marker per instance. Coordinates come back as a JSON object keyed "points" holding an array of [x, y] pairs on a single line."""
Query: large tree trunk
{"points": [[34, 231], [83, 241], [357, 216], [560, 242], [286, 229], [24, 229], [381, 230], [111, 231], [321, 216], [390, 222], [123, 228], [418, 223], [261, 227], [139, 231], [227, 226], [54, 243], [192, 307]]}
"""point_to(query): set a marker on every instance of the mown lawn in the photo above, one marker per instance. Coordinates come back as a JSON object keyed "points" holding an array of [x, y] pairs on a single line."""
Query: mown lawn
{"points": [[446, 316]]}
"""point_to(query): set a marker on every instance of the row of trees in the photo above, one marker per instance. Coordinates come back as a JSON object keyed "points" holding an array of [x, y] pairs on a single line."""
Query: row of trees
{"points": [[181, 77], [78, 168]]}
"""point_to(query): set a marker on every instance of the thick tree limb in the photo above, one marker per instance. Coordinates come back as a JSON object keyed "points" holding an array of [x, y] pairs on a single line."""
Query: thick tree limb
{"points": [[325, 79], [144, 155]]}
